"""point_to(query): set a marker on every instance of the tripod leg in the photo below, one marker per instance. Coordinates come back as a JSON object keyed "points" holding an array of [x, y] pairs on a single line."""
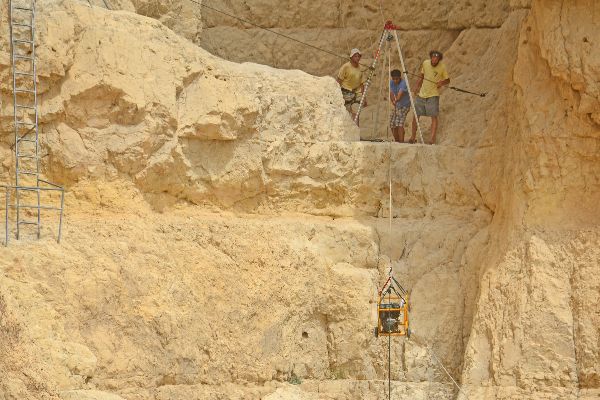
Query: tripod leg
{"points": [[368, 82], [410, 94]]}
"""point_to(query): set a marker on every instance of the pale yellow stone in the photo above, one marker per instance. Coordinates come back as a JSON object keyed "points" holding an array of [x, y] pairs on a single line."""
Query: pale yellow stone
{"points": [[226, 233]]}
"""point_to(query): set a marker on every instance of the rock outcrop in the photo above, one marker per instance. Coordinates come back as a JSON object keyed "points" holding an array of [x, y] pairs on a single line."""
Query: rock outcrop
{"points": [[226, 231]]}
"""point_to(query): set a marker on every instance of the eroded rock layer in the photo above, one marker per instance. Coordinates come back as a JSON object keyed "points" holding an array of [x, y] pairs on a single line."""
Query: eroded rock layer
{"points": [[226, 232]]}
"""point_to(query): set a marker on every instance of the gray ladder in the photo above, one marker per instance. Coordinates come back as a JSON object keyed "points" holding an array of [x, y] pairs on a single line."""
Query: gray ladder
{"points": [[25, 107], [28, 184]]}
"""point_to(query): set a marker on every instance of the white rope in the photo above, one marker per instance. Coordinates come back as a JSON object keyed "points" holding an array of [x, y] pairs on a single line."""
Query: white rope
{"points": [[381, 11], [343, 21], [410, 95], [6, 36], [437, 359], [373, 39], [388, 128], [379, 97]]}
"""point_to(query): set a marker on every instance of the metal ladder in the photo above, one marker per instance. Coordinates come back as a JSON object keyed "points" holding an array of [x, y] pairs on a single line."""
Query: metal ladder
{"points": [[28, 184], [25, 104]]}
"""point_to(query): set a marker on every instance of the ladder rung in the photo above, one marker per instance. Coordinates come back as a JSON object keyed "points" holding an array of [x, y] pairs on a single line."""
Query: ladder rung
{"points": [[28, 223], [34, 207], [27, 156], [25, 123], [23, 106], [31, 130], [24, 91], [28, 173], [23, 73], [21, 139], [23, 8], [22, 41], [17, 24], [22, 57]]}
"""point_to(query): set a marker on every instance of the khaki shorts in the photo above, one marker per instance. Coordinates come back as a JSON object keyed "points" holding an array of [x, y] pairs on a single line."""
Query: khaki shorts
{"points": [[350, 98], [429, 107], [398, 117]]}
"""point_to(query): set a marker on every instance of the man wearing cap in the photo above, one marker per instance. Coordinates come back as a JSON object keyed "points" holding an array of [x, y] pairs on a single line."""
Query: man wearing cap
{"points": [[351, 79], [433, 76]]}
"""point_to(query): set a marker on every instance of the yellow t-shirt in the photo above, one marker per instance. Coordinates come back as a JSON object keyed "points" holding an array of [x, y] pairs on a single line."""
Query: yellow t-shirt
{"points": [[351, 78], [431, 73]]}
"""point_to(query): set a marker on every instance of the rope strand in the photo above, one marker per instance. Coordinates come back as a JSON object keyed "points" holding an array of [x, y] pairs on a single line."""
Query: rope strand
{"points": [[331, 53], [272, 31], [439, 362]]}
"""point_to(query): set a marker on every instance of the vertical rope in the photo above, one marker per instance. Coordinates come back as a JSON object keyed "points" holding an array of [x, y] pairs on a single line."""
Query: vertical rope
{"points": [[372, 39], [380, 93], [389, 141], [4, 35], [381, 11], [439, 362], [389, 357], [342, 17], [410, 95], [389, 58]]}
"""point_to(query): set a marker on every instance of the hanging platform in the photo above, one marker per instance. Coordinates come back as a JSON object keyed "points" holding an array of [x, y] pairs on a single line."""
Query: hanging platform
{"points": [[392, 310]]}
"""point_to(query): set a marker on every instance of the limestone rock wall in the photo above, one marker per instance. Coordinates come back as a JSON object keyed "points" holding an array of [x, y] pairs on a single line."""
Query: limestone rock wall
{"points": [[341, 26], [184, 17], [539, 344], [226, 232], [148, 119]]}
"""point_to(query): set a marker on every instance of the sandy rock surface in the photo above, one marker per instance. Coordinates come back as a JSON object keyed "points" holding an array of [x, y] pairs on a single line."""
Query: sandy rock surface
{"points": [[226, 232]]}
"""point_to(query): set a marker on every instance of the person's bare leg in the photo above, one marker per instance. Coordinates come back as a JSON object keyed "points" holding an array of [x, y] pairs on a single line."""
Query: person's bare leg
{"points": [[395, 133], [414, 131], [353, 114], [400, 134], [434, 124]]}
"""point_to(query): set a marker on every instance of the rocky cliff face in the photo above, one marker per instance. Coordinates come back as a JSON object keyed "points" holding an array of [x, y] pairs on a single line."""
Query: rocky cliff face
{"points": [[543, 277], [226, 231]]}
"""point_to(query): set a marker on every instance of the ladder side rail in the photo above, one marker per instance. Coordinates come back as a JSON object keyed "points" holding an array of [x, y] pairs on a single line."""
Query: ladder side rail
{"points": [[37, 128], [6, 228], [8, 206], [60, 218], [15, 117]]}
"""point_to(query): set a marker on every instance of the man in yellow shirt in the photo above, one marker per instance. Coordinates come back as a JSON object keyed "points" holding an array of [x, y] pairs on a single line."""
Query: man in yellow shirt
{"points": [[352, 79], [433, 76]]}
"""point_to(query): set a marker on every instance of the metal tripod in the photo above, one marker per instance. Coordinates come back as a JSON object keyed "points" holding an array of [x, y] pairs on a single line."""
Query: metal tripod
{"points": [[389, 33]]}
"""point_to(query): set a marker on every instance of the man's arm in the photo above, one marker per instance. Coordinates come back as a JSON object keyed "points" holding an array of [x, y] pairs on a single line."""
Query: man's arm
{"points": [[443, 83], [341, 75], [446, 79], [419, 83], [393, 98]]}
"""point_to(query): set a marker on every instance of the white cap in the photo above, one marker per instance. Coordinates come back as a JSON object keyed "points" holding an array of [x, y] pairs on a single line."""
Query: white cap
{"points": [[354, 51]]}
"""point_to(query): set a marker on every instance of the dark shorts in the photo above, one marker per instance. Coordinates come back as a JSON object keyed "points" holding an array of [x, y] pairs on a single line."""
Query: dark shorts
{"points": [[429, 107]]}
